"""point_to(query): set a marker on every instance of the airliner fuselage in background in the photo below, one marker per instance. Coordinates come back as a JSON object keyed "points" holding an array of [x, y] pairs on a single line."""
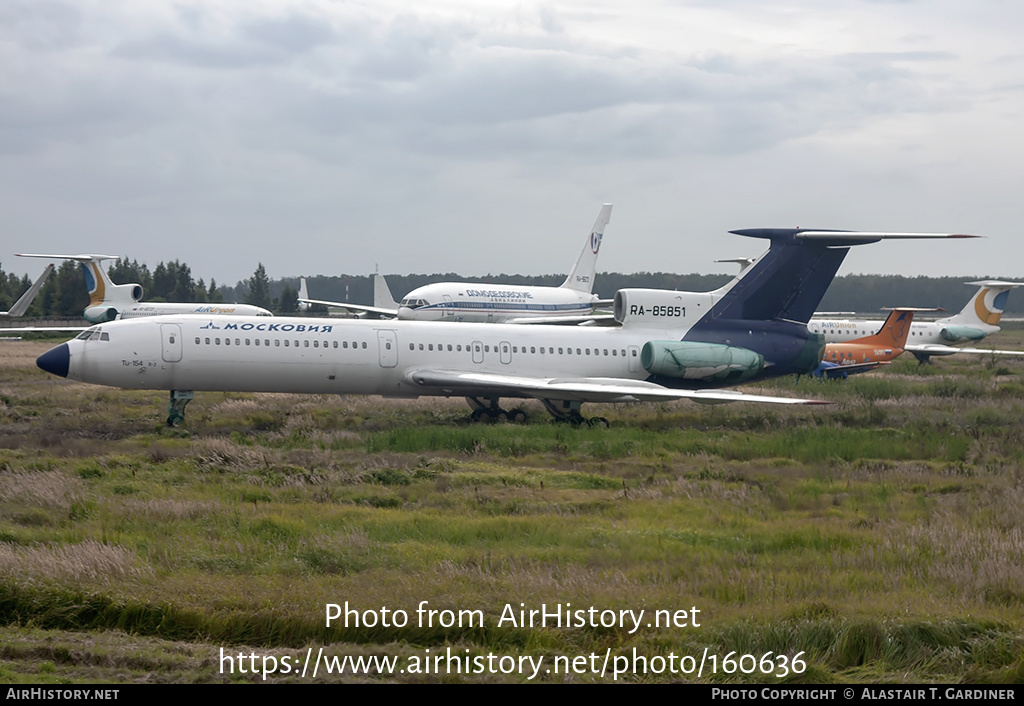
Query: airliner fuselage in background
{"points": [[977, 320], [669, 345], [572, 301]]}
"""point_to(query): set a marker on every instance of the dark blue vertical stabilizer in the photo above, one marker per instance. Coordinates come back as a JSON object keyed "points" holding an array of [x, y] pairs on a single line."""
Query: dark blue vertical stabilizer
{"points": [[787, 283]]}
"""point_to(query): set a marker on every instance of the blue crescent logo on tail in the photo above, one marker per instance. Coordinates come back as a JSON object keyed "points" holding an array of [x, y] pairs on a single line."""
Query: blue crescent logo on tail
{"points": [[595, 242], [900, 326]]}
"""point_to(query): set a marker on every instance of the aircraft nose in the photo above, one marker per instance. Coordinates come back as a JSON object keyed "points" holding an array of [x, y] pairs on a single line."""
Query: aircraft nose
{"points": [[56, 360]]}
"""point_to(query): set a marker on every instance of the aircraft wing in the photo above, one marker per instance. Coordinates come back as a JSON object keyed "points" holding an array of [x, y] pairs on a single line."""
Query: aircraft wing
{"points": [[581, 389], [581, 319], [935, 349], [353, 307], [836, 372], [41, 329], [25, 299]]}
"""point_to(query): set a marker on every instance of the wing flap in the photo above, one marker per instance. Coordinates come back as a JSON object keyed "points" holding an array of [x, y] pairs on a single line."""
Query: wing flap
{"points": [[581, 389]]}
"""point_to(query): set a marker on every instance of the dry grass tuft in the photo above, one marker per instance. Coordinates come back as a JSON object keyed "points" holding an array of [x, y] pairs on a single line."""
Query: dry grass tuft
{"points": [[89, 560], [53, 490]]}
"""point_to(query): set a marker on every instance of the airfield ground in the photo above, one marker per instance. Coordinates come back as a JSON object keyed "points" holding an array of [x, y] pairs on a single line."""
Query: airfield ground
{"points": [[879, 539]]}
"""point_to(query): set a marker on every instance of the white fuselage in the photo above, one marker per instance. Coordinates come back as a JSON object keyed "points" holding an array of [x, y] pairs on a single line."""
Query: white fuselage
{"points": [[921, 332], [137, 310], [492, 303], [342, 357]]}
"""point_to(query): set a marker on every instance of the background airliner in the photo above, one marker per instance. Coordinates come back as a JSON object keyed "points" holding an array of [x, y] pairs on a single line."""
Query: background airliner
{"points": [[109, 301], [669, 345], [978, 319], [572, 302]]}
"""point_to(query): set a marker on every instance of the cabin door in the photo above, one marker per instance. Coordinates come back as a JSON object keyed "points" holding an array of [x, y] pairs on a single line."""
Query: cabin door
{"points": [[171, 334], [387, 344]]}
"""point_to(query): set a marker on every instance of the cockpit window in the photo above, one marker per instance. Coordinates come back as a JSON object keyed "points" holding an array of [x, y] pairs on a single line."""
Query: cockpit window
{"points": [[84, 335], [414, 303], [104, 336]]}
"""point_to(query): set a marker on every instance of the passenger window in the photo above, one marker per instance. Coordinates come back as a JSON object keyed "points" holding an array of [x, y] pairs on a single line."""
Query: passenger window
{"points": [[286, 343], [197, 340], [364, 344], [217, 340], [305, 342]]}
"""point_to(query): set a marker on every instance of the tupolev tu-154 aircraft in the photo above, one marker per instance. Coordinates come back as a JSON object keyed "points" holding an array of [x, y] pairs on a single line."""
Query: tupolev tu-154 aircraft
{"points": [[571, 302], [669, 345], [109, 301]]}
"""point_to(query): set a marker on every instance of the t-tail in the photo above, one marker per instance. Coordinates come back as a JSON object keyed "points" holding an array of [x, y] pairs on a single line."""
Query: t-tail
{"points": [[106, 299], [982, 314], [581, 277], [894, 331]]}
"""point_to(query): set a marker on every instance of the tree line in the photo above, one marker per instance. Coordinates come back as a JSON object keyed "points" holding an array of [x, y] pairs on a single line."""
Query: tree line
{"points": [[64, 293]]}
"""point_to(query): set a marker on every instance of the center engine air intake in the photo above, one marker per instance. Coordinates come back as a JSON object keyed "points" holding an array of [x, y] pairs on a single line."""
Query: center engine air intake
{"points": [[690, 360]]}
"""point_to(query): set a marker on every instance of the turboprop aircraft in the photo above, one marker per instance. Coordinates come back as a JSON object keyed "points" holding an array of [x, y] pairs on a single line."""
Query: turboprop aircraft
{"points": [[20, 306], [571, 302], [669, 345], [978, 319], [868, 352], [109, 301]]}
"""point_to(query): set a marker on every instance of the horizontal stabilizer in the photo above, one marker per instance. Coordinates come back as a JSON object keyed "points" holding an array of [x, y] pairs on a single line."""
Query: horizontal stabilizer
{"points": [[839, 237], [77, 258]]}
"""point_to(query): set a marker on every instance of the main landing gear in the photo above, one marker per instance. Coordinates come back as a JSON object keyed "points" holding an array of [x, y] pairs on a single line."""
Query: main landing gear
{"points": [[488, 409], [569, 411], [176, 408]]}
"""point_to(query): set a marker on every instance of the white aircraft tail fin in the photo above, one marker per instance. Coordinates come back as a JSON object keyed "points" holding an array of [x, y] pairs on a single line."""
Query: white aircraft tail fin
{"points": [[581, 277], [20, 306], [986, 306], [382, 294], [101, 289], [303, 294]]}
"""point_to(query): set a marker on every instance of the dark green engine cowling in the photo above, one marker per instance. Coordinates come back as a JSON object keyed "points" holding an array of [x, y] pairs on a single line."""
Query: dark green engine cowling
{"points": [[99, 314], [809, 358], [962, 333], [690, 360]]}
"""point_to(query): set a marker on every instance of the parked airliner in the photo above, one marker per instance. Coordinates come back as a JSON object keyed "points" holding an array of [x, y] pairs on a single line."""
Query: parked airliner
{"points": [[868, 352], [109, 301], [572, 302], [978, 319], [669, 345], [19, 307]]}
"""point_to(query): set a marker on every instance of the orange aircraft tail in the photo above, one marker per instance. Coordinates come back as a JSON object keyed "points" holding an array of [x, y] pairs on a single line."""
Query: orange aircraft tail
{"points": [[894, 331]]}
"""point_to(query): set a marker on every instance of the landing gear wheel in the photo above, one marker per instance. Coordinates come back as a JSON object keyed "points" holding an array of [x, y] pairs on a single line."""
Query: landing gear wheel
{"points": [[517, 416], [176, 407], [598, 422]]}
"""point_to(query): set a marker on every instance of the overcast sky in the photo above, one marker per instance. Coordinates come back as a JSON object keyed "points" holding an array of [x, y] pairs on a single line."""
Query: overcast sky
{"points": [[336, 137]]}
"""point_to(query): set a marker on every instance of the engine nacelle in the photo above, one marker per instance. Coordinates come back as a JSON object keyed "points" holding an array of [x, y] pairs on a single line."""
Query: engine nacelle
{"points": [[691, 360], [962, 333], [99, 314], [661, 308]]}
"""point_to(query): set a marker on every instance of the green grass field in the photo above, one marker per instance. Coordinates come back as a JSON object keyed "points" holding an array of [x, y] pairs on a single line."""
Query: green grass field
{"points": [[879, 539]]}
